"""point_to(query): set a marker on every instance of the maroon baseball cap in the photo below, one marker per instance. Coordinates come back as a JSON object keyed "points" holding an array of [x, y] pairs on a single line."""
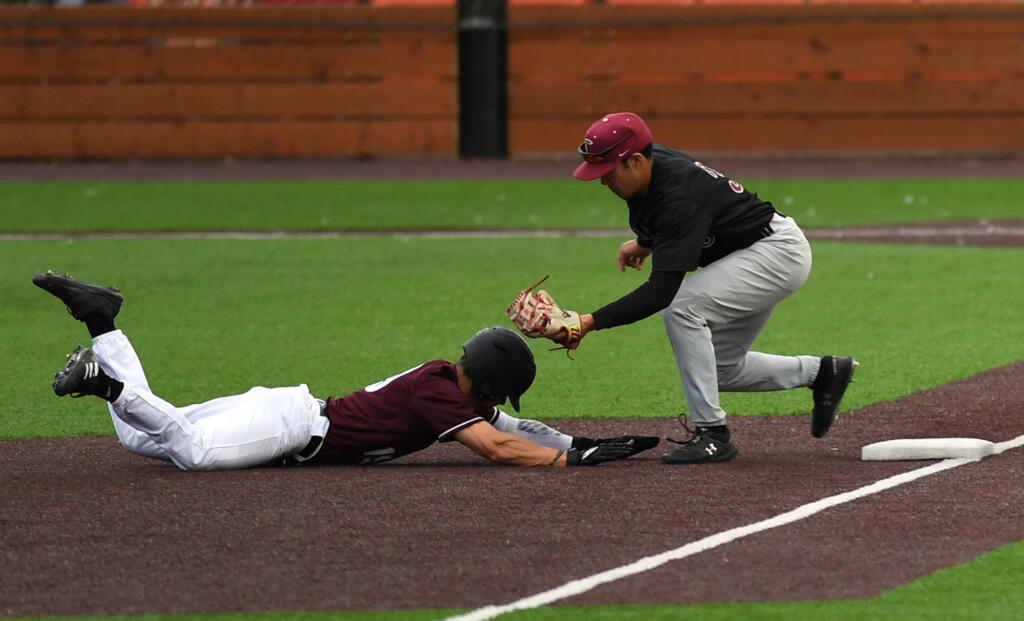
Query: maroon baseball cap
{"points": [[609, 141]]}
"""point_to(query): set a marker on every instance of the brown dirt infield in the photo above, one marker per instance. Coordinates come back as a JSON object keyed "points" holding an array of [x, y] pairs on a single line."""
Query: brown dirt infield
{"points": [[88, 529]]}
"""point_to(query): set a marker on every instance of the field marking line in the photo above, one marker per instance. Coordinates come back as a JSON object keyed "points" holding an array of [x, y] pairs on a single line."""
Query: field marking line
{"points": [[1009, 444], [911, 231], [338, 234], [494, 233], [582, 585]]}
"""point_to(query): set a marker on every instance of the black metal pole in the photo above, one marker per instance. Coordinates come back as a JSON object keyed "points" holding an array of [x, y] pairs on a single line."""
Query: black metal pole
{"points": [[483, 107]]}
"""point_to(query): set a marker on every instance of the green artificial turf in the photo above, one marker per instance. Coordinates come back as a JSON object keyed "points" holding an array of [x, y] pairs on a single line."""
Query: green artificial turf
{"points": [[216, 317], [325, 205]]}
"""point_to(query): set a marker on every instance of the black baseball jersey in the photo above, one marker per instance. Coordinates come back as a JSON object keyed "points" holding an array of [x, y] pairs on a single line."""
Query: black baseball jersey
{"points": [[397, 416], [691, 216]]}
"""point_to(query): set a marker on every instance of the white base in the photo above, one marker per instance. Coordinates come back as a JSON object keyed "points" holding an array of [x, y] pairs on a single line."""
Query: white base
{"points": [[927, 448]]}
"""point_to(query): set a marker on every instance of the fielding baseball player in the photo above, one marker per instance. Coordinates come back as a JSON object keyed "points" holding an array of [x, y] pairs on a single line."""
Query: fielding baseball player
{"points": [[435, 401], [687, 215]]}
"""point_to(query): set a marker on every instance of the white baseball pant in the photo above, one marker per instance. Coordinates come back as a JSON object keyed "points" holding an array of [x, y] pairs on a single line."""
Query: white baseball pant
{"points": [[239, 431]]}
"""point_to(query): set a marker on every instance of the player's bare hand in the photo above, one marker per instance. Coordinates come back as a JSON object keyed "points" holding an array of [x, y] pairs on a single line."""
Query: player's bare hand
{"points": [[632, 254]]}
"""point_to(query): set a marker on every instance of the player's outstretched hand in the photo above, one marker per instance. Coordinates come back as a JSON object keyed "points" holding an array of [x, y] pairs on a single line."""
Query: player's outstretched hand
{"points": [[638, 444], [601, 453]]}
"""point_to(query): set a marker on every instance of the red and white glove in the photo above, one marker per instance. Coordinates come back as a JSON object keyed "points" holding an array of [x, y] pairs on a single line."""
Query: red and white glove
{"points": [[538, 315]]}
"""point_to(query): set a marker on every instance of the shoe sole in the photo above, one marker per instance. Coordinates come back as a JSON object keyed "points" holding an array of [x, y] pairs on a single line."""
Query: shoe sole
{"points": [[821, 422], [65, 288], [67, 380], [719, 457]]}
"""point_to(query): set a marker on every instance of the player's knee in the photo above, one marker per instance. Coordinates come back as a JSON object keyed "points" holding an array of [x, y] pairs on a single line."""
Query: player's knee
{"points": [[685, 316], [727, 374]]}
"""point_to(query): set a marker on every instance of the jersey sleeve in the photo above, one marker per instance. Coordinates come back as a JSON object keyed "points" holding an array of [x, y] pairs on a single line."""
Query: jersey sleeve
{"points": [[654, 295], [682, 229], [534, 431]]}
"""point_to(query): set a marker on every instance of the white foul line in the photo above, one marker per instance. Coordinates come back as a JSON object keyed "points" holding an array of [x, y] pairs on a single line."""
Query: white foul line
{"points": [[583, 585]]}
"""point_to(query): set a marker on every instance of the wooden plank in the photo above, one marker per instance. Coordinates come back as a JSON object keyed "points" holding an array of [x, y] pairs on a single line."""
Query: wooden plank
{"points": [[599, 15], [767, 99], [105, 23], [268, 100], [416, 59], [533, 136], [210, 139], [741, 51]]}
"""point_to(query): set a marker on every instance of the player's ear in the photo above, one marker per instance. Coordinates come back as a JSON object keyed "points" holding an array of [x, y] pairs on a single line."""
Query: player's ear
{"points": [[484, 392]]}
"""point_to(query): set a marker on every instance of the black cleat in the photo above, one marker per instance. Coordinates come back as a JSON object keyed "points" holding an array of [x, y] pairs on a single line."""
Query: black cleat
{"points": [[80, 376], [83, 299], [829, 387], [702, 446]]}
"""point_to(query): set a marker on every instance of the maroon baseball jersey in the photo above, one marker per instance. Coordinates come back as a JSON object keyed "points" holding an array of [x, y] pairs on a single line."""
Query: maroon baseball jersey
{"points": [[397, 416]]}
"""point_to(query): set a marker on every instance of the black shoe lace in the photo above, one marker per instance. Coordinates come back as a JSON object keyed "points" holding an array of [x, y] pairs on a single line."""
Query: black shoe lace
{"points": [[693, 433]]}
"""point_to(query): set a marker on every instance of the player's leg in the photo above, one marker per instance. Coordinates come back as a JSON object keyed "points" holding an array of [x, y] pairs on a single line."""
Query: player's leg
{"points": [[773, 269], [230, 432], [745, 285], [718, 313], [743, 370], [118, 359], [254, 428], [689, 331], [96, 306]]}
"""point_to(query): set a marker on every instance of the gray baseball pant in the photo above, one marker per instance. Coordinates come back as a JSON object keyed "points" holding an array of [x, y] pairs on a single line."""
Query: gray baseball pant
{"points": [[721, 309]]}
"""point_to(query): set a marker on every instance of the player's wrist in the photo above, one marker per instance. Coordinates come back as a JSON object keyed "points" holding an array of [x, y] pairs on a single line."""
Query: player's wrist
{"points": [[586, 323]]}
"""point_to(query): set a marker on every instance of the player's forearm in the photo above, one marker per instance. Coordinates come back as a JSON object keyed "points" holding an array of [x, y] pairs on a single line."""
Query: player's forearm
{"points": [[647, 299], [516, 451]]}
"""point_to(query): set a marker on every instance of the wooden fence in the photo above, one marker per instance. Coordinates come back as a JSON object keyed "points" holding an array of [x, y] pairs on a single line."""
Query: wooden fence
{"points": [[772, 78], [118, 82], [300, 81]]}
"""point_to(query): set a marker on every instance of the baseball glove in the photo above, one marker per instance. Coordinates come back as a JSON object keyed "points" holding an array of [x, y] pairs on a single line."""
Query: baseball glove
{"points": [[637, 444], [598, 454], [538, 315]]}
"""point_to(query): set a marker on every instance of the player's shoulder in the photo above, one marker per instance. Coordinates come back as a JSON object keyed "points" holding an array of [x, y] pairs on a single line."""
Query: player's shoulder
{"points": [[670, 156], [673, 175], [437, 368], [672, 166]]}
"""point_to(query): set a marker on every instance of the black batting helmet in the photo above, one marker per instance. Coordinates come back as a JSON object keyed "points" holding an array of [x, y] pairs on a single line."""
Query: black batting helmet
{"points": [[501, 357]]}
